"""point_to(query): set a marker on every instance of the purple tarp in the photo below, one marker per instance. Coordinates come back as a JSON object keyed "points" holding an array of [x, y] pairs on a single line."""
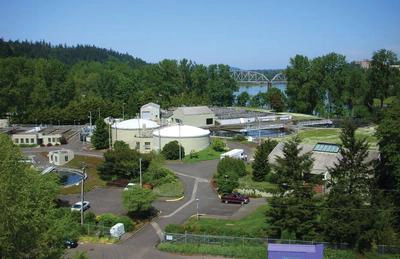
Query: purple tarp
{"points": [[293, 251]]}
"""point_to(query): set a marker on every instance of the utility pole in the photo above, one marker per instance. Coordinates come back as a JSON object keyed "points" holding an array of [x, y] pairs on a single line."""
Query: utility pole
{"points": [[109, 134], [90, 120], [140, 172], [82, 191], [123, 111], [197, 208]]}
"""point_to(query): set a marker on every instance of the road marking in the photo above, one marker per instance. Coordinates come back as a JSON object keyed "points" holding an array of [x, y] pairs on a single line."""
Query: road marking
{"points": [[194, 177], [157, 229], [196, 183]]}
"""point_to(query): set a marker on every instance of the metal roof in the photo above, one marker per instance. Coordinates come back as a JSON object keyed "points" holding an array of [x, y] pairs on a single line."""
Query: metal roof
{"points": [[195, 110]]}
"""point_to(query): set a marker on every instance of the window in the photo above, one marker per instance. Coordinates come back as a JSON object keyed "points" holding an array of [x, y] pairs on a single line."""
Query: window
{"points": [[66, 158], [55, 159], [16, 141], [147, 145], [209, 121], [27, 141], [49, 140], [32, 140], [54, 139], [137, 146], [22, 141]]}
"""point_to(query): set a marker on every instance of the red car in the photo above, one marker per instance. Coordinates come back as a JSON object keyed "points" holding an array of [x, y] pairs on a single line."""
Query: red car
{"points": [[235, 198]]}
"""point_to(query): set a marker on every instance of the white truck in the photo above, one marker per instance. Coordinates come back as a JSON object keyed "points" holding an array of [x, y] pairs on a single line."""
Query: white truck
{"points": [[235, 153]]}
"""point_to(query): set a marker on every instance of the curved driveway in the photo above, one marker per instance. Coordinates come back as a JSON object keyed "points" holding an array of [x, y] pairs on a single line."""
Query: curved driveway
{"points": [[142, 245]]}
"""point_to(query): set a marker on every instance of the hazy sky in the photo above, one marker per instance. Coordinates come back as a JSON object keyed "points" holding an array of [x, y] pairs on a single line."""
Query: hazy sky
{"points": [[246, 34]]}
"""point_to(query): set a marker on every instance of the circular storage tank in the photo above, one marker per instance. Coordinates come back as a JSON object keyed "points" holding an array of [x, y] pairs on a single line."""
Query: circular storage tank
{"points": [[191, 138], [134, 131]]}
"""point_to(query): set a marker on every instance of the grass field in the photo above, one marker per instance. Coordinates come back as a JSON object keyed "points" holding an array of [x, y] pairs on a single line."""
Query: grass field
{"points": [[206, 154], [93, 179], [331, 135], [253, 225], [173, 189], [256, 251]]}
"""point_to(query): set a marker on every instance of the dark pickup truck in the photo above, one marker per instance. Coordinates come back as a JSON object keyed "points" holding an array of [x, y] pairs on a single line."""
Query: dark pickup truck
{"points": [[235, 198]]}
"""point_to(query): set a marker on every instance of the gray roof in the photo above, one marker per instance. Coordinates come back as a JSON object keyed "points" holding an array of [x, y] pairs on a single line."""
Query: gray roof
{"points": [[151, 105], [195, 110], [322, 160]]}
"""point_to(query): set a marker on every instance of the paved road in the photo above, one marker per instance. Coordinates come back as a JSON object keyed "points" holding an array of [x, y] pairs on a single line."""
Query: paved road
{"points": [[142, 245]]}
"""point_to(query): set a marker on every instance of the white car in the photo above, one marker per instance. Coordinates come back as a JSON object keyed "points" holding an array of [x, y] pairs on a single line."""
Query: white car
{"points": [[78, 206], [129, 186]]}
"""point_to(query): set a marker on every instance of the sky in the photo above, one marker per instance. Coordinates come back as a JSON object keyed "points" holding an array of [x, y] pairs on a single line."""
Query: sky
{"points": [[245, 34]]}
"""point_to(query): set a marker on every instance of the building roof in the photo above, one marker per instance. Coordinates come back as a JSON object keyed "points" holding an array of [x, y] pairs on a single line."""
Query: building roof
{"points": [[183, 131], [151, 105], [195, 110], [135, 124], [322, 160]]}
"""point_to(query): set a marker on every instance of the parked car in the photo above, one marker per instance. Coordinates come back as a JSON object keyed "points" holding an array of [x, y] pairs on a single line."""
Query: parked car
{"points": [[69, 243], [129, 186], [78, 206], [235, 198]]}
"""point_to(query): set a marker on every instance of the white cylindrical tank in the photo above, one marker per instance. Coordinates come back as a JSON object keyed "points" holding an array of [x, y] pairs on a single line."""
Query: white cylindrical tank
{"points": [[135, 132], [191, 138]]}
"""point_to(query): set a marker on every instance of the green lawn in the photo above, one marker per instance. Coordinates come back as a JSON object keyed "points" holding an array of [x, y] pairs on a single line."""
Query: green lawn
{"points": [[93, 179], [205, 154], [173, 189], [331, 135], [233, 251], [256, 251], [253, 225]]}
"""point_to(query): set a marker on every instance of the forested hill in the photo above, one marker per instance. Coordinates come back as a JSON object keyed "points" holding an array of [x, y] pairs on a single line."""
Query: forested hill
{"points": [[67, 54]]}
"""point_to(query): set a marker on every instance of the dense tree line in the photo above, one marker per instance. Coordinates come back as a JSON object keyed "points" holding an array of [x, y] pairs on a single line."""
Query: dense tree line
{"points": [[361, 205], [44, 88], [329, 85], [66, 54]]}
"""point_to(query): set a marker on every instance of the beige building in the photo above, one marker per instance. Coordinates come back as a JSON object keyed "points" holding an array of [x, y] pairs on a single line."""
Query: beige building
{"points": [[150, 111], [38, 136], [60, 157], [4, 123], [25, 138], [198, 116], [191, 138], [137, 133]]}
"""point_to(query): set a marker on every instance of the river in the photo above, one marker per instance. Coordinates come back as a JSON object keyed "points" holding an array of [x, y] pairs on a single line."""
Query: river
{"points": [[253, 89]]}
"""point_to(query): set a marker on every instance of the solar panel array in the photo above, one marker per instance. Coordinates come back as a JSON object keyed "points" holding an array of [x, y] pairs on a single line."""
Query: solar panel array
{"points": [[329, 148]]}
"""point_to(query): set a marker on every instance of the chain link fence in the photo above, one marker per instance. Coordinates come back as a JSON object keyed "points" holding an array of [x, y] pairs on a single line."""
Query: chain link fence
{"points": [[96, 230]]}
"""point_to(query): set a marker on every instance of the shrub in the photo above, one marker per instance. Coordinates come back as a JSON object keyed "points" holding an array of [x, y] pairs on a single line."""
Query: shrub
{"points": [[218, 145], [174, 228], [227, 182], [234, 165], [171, 151], [109, 220], [239, 137], [137, 199], [156, 175], [49, 144]]}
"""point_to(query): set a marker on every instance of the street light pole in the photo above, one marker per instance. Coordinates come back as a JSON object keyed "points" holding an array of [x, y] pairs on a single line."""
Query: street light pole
{"points": [[197, 208], [179, 133], [123, 111], [140, 171]]}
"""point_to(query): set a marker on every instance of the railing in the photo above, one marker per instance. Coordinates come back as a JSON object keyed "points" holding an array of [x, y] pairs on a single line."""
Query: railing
{"points": [[187, 238]]}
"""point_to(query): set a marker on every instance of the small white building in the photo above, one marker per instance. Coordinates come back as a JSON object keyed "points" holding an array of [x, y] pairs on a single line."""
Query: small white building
{"points": [[150, 111], [4, 123], [60, 157], [191, 138]]}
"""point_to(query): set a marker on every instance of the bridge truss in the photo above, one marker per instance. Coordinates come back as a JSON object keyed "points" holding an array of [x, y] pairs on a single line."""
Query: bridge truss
{"points": [[245, 76]]}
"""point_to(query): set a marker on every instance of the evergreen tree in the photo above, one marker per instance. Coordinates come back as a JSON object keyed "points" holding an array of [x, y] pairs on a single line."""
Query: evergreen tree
{"points": [[346, 211], [261, 167], [293, 210], [100, 138]]}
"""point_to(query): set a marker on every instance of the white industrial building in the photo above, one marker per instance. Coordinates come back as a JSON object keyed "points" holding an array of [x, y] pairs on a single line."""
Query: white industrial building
{"points": [[137, 133], [190, 137], [198, 116], [60, 157], [150, 111]]}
